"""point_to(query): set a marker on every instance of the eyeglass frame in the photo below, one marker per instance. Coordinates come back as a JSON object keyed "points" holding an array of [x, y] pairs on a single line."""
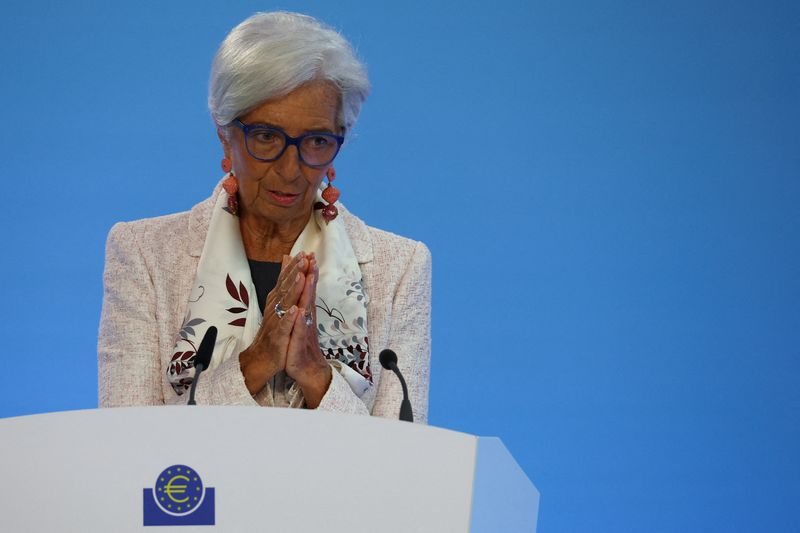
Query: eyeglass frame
{"points": [[290, 141]]}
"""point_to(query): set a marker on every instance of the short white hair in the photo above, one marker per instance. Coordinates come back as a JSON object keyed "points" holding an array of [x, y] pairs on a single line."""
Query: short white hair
{"points": [[271, 54]]}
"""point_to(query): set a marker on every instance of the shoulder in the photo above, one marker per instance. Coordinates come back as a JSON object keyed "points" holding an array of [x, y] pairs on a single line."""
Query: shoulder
{"points": [[176, 231], [397, 248], [149, 229], [385, 249]]}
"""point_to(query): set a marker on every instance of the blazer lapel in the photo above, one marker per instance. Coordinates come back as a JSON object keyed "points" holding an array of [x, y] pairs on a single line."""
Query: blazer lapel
{"points": [[199, 220], [359, 236]]}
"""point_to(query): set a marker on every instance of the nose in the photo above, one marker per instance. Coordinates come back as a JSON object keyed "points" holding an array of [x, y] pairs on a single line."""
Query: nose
{"points": [[288, 164]]}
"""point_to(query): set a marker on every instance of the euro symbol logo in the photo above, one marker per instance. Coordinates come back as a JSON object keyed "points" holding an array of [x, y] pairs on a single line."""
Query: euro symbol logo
{"points": [[171, 489]]}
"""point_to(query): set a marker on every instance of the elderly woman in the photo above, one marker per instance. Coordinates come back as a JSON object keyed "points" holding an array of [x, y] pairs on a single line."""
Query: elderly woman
{"points": [[303, 294]]}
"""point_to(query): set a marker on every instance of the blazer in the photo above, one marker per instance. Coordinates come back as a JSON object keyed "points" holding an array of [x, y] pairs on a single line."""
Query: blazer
{"points": [[149, 271]]}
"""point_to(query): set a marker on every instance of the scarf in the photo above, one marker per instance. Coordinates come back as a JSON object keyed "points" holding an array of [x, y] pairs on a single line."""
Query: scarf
{"points": [[223, 295]]}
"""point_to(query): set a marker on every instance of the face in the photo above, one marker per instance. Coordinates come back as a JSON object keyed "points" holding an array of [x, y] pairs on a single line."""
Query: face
{"points": [[283, 191]]}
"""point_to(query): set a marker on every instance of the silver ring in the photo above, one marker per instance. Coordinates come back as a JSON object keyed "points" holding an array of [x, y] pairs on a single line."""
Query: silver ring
{"points": [[309, 319], [279, 310]]}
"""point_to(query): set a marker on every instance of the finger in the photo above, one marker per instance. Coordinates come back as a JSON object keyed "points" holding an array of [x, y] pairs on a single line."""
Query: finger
{"points": [[293, 265], [286, 279], [303, 353], [292, 295], [286, 292], [313, 301], [281, 302], [309, 296], [282, 334], [298, 264], [287, 322], [297, 340], [274, 335], [283, 328], [281, 294]]}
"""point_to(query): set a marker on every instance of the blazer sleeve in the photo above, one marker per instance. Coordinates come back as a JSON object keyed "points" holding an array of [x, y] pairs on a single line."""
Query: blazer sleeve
{"points": [[129, 366], [127, 344], [410, 338]]}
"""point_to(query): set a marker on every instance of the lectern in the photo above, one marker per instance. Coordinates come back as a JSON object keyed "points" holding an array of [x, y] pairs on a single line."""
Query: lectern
{"points": [[241, 469]]}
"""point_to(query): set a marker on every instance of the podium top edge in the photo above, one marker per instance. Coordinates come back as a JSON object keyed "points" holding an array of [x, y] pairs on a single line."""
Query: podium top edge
{"points": [[230, 410]]}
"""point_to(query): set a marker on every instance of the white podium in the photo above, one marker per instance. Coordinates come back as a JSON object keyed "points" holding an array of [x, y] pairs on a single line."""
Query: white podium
{"points": [[238, 469]]}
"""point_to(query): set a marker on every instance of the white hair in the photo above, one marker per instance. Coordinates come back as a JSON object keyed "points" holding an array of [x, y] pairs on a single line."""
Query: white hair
{"points": [[271, 54]]}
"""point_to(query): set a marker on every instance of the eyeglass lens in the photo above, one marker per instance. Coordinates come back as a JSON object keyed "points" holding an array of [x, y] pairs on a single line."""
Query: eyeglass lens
{"points": [[315, 148]]}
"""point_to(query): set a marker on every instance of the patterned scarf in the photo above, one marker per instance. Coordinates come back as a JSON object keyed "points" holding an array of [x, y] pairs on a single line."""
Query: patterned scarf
{"points": [[223, 292]]}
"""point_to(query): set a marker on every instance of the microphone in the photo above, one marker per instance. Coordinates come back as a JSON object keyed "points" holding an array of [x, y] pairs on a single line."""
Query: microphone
{"points": [[202, 359], [389, 361]]}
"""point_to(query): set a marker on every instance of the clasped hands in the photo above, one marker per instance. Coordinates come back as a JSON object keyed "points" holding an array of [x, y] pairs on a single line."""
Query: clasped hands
{"points": [[289, 342]]}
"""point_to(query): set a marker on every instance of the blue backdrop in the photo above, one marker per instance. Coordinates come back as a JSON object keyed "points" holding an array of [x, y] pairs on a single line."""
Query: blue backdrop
{"points": [[610, 191]]}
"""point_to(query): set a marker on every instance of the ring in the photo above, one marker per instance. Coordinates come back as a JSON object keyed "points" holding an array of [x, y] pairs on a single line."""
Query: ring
{"points": [[279, 310], [309, 319]]}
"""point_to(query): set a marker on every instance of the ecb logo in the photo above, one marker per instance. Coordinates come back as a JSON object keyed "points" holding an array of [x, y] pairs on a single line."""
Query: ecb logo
{"points": [[179, 499]]}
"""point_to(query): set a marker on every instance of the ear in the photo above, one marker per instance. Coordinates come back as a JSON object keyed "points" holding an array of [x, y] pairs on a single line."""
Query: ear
{"points": [[223, 139]]}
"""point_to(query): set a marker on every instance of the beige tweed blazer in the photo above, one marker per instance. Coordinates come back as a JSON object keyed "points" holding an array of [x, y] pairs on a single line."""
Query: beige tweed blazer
{"points": [[149, 271]]}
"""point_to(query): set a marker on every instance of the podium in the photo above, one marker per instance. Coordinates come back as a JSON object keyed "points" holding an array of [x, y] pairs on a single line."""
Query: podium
{"points": [[236, 469]]}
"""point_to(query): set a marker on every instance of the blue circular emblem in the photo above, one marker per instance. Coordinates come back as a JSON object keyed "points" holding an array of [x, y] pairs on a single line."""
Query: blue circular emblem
{"points": [[179, 490]]}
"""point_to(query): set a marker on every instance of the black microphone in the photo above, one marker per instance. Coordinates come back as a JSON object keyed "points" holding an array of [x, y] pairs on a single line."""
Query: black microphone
{"points": [[389, 361], [202, 359]]}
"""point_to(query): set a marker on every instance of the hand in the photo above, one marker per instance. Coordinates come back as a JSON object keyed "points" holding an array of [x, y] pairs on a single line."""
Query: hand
{"points": [[304, 360], [266, 356]]}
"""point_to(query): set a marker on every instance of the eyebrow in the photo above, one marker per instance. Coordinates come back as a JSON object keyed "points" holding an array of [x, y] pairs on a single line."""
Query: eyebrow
{"points": [[309, 130]]}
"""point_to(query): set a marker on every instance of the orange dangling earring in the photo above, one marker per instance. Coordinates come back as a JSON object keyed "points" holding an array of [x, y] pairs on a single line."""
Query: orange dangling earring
{"points": [[231, 186], [330, 195]]}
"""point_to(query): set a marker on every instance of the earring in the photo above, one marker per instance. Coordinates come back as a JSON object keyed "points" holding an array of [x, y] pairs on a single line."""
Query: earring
{"points": [[231, 186], [330, 195]]}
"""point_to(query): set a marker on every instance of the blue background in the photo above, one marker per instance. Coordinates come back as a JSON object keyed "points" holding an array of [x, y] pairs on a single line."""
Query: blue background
{"points": [[610, 191]]}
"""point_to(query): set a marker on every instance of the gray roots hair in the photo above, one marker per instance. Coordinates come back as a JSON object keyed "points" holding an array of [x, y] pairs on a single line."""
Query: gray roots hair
{"points": [[271, 54]]}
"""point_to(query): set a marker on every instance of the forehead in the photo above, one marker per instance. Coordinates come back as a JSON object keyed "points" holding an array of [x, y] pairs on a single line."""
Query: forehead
{"points": [[311, 106]]}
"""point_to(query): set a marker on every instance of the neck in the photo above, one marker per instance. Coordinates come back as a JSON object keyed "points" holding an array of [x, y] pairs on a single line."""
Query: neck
{"points": [[265, 240]]}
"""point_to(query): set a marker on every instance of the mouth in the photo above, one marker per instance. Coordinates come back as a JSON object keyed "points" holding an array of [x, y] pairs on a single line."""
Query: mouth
{"points": [[283, 198]]}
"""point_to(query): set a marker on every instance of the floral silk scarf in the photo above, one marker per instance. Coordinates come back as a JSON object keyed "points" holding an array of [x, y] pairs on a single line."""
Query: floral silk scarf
{"points": [[223, 295]]}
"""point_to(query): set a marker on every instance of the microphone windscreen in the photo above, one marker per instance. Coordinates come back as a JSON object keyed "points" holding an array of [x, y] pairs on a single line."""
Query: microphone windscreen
{"points": [[206, 349], [388, 359]]}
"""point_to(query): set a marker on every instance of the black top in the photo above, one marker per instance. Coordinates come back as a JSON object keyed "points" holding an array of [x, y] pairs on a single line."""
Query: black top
{"points": [[265, 276]]}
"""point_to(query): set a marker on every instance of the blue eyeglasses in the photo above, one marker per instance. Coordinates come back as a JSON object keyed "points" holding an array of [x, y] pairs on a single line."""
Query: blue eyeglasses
{"points": [[267, 143]]}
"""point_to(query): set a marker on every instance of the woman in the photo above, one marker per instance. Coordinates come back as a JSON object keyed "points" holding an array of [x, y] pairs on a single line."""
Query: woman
{"points": [[304, 295]]}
